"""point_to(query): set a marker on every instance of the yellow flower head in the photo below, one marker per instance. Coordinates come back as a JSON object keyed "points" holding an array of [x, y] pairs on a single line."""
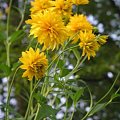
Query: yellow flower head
{"points": [[78, 23], [63, 7], [34, 64], [79, 2], [102, 39], [49, 28], [39, 6], [88, 43]]}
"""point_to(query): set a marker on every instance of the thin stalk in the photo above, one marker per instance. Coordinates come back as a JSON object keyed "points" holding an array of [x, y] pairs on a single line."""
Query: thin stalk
{"points": [[61, 54], [109, 89], [8, 97], [37, 112], [31, 104], [117, 90], [72, 115], [44, 86], [8, 18], [8, 53], [91, 103], [75, 68], [28, 108], [110, 101], [66, 108], [22, 16], [52, 102], [8, 60]]}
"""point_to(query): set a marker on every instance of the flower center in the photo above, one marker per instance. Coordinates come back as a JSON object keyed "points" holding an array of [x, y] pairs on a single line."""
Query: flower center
{"points": [[37, 68]]}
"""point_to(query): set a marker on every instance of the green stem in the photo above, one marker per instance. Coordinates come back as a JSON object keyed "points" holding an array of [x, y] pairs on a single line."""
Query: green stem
{"points": [[109, 89], [66, 108], [61, 54], [52, 102], [8, 53], [22, 16], [42, 89], [37, 112], [91, 103], [29, 103], [28, 108], [72, 115], [117, 90], [8, 97], [8, 17], [8, 62], [75, 68]]}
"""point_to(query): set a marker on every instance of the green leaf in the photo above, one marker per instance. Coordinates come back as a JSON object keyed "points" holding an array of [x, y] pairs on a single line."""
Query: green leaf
{"points": [[40, 98], [64, 72], [97, 108], [76, 96], [5, 69], [46, 111], [16, 35], [60, 64]]}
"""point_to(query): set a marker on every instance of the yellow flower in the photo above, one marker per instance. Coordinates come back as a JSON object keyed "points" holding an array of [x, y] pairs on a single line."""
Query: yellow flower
{"points": [[63, 7], [34, 64], [102, 39], [49, 28], [39, 6], [78, 23], [88, 43], [78, 2]]}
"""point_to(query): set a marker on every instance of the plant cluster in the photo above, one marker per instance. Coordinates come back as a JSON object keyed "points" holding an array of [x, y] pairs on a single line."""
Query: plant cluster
{"points": [[57, 28]]}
